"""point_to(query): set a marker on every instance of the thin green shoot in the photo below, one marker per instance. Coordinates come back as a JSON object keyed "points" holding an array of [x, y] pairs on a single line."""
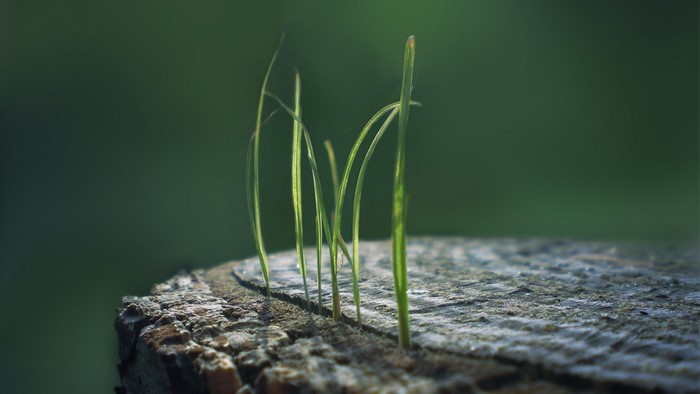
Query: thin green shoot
{"points": [[356, 213], [253, 197], [338, 212], [398, 238], [296, 186], [335, 242], [334, 177], [334, 168]]}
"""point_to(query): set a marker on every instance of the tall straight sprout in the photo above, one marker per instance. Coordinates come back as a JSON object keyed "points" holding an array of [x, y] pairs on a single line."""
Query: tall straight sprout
{"points": [[334, 252], [254, 197], [398, 237], [334, 171], [296, 186], [321, 216]]}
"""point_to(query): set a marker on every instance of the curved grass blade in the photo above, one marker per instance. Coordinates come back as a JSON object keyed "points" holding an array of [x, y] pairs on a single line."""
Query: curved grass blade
{"points": [[320, 217], [248, 191], [338, 212], [334, 177], [334, 168], [248, 166], [356, 212], [344, 183], [398, 238], [296, 186], [254, 208]]}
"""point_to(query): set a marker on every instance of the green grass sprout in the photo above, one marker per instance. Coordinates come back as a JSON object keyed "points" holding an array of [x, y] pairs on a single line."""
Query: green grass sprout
{"points": [[296, 186], [337, 217], [356, 213], [253, 197], [398, 238], [334, 168], [336, 238], [357, 198], [334, 177]]}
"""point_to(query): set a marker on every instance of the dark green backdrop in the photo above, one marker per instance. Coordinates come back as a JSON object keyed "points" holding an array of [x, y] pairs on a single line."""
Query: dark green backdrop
{"points": [[124, 124]]}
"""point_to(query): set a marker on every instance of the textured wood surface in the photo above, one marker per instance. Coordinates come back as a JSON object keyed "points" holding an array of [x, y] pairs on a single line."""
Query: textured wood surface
{"points": [[487, 316]]}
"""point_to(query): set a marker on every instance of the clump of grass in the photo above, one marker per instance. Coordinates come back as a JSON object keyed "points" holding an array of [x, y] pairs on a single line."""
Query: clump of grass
{"points": [[340, 185], [398, 236], [321, 211], [322, 225]]}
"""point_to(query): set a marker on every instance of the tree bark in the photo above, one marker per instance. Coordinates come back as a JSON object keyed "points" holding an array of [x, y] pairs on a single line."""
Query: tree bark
{"points": [[501, 315]]}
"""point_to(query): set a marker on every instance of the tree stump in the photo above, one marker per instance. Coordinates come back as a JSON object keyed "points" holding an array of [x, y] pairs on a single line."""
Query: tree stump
{"points": [[487, 315]]}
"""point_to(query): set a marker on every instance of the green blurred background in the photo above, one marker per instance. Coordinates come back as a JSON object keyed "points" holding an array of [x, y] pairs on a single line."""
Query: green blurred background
{"points": [[123, 132]]}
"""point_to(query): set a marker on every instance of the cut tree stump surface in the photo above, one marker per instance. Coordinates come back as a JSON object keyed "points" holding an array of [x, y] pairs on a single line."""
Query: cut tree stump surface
{"points": [[487, 315]]}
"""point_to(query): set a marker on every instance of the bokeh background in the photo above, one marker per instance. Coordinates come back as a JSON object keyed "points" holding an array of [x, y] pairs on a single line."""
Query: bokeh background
{"points": [[124, 125]]}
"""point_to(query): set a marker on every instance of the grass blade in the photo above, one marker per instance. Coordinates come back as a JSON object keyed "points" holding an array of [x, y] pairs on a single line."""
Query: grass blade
{"points": [[334, 167], [321, 215], [320, 218], [248, 190], [254, 208], [356, 212], [334, 252], [338, 212], [334, 177], [398, 238], [336, 240], [296, 186]]}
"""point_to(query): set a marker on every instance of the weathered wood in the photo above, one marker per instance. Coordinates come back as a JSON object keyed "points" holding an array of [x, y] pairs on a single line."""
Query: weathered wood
{"points": [[487, 315]]}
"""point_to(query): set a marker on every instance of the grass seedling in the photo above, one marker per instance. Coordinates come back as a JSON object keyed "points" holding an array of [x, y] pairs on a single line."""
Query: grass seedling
{"points": [[337, 219], [296, 186], [253, 197], [334, 252], [398, 237], [336, 238], [334, 178], [356, 214], [334, 168]]}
